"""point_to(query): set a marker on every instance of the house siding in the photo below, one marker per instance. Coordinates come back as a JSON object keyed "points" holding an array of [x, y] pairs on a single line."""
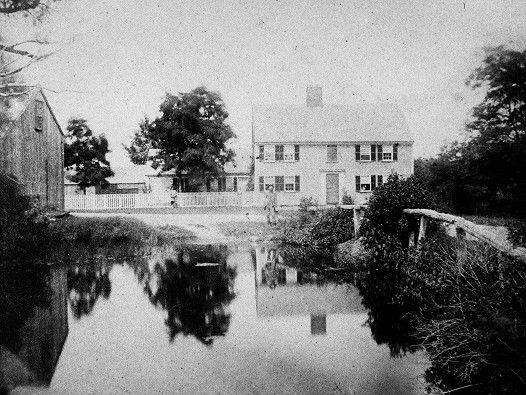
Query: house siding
{"points": [[34, 157], [313, 167]]}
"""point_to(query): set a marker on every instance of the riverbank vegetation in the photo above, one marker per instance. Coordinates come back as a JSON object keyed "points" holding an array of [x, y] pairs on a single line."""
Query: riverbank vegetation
{"points": [[29, 234], [468, 318]]}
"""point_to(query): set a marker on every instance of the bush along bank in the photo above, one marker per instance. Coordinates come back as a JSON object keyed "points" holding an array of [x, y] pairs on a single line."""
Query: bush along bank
{"points": [[23, 226], [321, 229], [470, 319]]}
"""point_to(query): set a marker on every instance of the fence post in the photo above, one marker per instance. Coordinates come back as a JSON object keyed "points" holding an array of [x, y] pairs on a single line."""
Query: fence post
{"points": [[461, 246], [423, 228], [357, 222]]}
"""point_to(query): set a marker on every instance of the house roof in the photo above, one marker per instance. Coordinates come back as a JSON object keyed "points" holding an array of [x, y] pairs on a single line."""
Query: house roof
{"points": [[13, 106], [330, 123], [125, 175]]}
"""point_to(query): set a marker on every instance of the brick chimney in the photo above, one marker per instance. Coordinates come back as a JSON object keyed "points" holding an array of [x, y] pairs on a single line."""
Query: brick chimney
{"points": [[314, 96]]}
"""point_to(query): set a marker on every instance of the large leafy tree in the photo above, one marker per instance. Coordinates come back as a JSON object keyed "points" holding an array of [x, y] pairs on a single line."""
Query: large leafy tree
{"points": [[486, 173], [85, 155], [190, 135]]}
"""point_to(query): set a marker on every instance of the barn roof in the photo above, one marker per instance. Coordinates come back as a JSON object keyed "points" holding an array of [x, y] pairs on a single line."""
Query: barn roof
{"points": [[14, 105], [329, 124]]}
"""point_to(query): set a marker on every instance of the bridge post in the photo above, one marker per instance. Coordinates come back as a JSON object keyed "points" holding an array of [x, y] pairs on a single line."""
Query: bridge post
{"points": [[357, 221], [461, 246], [423, 229]]}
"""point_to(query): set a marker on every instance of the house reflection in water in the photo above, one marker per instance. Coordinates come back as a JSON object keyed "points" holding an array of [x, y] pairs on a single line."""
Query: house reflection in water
{"points": [[282, 289], [38, 327]]}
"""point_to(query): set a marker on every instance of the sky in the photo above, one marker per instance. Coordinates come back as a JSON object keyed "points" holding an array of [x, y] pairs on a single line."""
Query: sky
{"points": [[117, 58]]}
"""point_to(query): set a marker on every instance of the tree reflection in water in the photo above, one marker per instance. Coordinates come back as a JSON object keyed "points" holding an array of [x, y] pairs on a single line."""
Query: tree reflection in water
{"points": [[195, 286], [86, 283]]}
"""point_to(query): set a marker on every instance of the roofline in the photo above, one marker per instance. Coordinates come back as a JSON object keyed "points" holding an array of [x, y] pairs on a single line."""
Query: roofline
{"points": [[51, 112]]}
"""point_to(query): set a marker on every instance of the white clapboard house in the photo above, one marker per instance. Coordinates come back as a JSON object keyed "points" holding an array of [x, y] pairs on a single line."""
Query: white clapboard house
{"points": [[328, 152]]}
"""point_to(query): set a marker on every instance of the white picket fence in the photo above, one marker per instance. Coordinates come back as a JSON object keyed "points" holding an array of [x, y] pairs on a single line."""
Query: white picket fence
{"points": [[146, 200]]}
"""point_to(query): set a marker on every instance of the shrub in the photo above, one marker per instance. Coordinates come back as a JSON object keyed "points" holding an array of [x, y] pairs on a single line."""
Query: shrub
{"points": [[517, 234], [322, 229], [384, 216], [347, 199], [23, 227]]}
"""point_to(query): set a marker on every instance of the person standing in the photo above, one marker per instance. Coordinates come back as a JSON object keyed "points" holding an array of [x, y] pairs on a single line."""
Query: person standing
{"points": [[271, 203]]}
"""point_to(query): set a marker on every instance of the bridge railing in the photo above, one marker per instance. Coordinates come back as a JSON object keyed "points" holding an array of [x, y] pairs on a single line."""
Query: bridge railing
{"points": [[463, 227]]}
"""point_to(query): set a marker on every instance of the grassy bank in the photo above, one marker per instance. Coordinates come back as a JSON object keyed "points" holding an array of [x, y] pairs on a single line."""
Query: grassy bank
{"points": [[249, 230], [107, 231]]}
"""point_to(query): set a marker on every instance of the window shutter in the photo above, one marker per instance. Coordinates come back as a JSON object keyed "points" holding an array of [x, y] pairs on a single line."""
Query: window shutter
{"points": [[261, 152], [208, 184], [261, 184], [373, 153], [380, 152], [279, 182], [296, 152], [235, 184], [373, 182], [357, 183], [357, 152], [395, 152], [380, 180], [297, 183]]}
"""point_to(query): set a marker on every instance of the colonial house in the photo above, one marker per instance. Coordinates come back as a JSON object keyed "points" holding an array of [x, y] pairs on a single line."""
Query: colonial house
{"points": [[332, 153], [32, 145]]}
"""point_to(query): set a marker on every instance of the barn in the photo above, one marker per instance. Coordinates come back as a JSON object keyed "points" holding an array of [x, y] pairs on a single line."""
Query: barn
{"points": [[32, 145]]}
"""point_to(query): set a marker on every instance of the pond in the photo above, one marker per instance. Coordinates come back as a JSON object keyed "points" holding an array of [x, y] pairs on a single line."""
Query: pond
{"points": [[192, 319]]}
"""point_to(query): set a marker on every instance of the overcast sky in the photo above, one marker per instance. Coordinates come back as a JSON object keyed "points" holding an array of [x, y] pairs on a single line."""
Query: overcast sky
{"points": [[125, 54]]}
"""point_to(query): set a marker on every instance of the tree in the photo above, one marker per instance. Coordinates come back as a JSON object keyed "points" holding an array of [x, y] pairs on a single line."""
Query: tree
{"points": [[85, 155], [16, 6], [190, 136], [486, 174], [141, 143]]}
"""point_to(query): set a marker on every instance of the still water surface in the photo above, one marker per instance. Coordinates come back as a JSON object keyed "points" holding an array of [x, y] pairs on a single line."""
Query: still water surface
{"points": [[194, 319]]}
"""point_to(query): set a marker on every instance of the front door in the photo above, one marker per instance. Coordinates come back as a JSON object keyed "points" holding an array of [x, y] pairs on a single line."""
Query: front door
{"points": [[333, 188]]}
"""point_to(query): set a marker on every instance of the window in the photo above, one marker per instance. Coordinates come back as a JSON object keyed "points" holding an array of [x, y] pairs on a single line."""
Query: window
{"points": [[387, 155], [278, 150], [288, 153], [261, 152], [297, 152], [39, 115], [279, 183], [332, 153], [368, 183], [363, 153], [269, 153], [269, 180], [290, 182], [365, 184]]}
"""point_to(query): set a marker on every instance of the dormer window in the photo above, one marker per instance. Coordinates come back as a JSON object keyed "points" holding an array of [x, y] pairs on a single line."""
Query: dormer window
{"points": [[39, 115]]}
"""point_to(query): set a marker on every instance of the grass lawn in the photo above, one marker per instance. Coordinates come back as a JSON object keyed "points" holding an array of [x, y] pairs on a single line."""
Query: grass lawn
{"points": [[246, 230], [104, 231]]}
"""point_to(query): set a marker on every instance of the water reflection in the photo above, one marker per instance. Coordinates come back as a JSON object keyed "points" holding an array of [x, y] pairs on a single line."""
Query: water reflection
{"points": [[195, 286], [34, 324], [86, 283], [284, 288]]}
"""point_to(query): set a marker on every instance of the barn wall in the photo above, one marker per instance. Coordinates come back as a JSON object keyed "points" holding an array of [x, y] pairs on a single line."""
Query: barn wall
{"points": [[42, 157]]}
